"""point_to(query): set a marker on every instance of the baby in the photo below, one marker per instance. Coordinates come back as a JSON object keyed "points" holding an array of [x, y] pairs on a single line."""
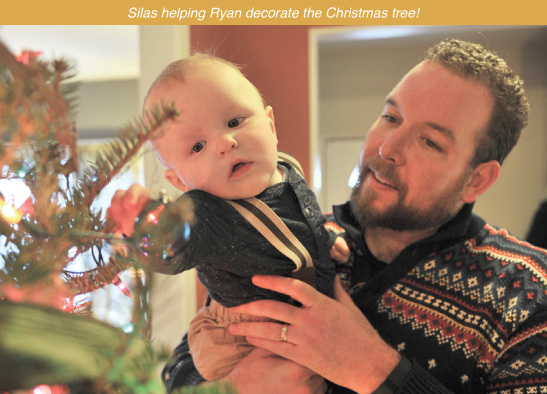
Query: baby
{"points": [[254, 212]]}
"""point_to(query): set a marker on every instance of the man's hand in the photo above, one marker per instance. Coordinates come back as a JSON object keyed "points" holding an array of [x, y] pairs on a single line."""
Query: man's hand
{"points": [[262, 372], [125, 206], [330, 337], [340, 250]]}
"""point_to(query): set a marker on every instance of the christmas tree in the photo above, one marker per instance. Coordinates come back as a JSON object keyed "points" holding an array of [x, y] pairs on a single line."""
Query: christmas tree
{"points": [[49, 340]]}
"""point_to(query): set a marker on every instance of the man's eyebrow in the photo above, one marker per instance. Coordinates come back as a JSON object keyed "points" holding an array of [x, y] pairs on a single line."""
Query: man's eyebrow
{"points": [[444, 130]]}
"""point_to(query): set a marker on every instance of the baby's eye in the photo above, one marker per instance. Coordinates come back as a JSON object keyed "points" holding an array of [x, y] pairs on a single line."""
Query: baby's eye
{"points": [[198, 146], [235, 122]]}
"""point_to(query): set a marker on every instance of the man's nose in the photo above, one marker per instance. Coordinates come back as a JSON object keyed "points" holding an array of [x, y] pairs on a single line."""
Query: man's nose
{"points": [[392, 148]]}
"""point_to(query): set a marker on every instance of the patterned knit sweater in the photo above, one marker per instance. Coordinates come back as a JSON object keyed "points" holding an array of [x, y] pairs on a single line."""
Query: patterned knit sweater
{"points": [[468, 306]]}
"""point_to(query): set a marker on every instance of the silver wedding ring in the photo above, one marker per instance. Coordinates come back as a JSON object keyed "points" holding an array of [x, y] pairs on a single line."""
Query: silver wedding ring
{"points": [[284, 331]]}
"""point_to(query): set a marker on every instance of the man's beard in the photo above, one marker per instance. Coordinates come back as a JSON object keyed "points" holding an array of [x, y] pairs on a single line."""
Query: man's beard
{"points": [[401, 216]]}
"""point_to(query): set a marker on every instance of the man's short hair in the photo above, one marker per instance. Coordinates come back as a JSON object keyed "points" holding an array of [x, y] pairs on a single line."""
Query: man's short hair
{"points": [[510, 109]]}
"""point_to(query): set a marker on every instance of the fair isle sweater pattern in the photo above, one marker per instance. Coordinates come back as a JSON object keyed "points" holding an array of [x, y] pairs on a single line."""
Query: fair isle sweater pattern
{"points": [[473, 315]]}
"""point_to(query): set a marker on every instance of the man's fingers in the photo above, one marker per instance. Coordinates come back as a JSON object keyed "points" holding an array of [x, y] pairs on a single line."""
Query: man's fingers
{"points": [[296, 289], [340, 250], [274, 310], [336, 255], [271, 331]]}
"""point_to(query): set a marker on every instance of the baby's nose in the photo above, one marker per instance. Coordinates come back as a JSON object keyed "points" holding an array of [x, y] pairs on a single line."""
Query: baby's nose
{"points": [[226, 144]]}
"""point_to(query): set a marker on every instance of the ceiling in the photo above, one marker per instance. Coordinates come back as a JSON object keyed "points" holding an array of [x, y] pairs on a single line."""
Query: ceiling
{"points": [[100, 52]]}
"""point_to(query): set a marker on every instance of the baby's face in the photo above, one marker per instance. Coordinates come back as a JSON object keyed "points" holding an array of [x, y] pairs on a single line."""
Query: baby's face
{"points": [[224, 140]]}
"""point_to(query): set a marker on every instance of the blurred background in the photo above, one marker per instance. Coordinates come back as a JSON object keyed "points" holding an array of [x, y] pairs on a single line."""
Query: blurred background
{"points": [[327, 86]]}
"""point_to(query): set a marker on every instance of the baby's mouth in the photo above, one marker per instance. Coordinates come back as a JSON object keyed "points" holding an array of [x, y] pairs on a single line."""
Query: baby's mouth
{"points": [[237, 166]]}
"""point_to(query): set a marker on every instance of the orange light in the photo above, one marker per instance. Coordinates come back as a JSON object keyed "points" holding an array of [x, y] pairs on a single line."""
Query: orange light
{"points": [[55, 389], [10, 214], [152, 217], [42, 389], [120, 285]]}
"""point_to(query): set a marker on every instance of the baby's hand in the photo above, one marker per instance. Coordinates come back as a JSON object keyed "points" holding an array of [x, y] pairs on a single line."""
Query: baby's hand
{"points": [[340, 250], [126, 206]]}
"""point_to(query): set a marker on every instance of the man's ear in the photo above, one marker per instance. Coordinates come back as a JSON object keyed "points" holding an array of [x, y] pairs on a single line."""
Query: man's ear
{"points": [[174, 180], [482, 177]]}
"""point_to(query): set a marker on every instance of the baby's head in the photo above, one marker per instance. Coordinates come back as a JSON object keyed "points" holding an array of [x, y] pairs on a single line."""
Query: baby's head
{"points": [[224, 140]]}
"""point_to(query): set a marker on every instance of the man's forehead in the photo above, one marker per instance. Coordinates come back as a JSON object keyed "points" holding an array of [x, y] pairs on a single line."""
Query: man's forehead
{"points": [[423, 67], [437, 96], [433, 78]]}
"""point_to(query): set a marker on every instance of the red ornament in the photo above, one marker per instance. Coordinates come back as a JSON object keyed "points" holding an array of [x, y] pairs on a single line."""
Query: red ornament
{"points": [[26, 56], [120, 285]]}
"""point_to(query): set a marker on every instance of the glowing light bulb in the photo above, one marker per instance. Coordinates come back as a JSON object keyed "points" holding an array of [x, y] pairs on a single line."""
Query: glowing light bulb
{"points": [[10, 214], [45, 389], [152, 217], [42, 389], [120, 285]]}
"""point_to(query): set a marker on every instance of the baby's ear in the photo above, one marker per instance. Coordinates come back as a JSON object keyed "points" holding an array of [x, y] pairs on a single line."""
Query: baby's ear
{"points": [[270, 115], [174, 180]]}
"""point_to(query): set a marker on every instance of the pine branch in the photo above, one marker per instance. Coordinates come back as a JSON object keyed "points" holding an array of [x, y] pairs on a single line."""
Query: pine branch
{"points": [[17, 69], [97, 278], [39, 147], [120, 152]]}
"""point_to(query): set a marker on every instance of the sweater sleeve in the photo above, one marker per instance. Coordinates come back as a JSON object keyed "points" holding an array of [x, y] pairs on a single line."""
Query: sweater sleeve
{"points": [[522, 362], [419, 381]]}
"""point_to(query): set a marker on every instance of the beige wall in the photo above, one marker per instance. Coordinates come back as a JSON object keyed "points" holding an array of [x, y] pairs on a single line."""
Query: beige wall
{"points": [[103, 107], [354, 79]]}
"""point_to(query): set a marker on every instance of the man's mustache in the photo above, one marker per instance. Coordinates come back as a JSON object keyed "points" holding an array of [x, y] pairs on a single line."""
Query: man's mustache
{"points": [[382, 171]]}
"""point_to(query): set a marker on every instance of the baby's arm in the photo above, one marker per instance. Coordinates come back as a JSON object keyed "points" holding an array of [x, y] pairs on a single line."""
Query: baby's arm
{"points": [[125, 206]]}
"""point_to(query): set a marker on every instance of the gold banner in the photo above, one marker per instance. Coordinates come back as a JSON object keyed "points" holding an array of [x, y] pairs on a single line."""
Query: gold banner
{"points": [[279, 12]]}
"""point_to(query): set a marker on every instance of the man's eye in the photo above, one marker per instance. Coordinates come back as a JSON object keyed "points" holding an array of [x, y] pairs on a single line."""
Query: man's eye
{"points": [[389, 118], [432, 144], [235, 122], [198, 146]]}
